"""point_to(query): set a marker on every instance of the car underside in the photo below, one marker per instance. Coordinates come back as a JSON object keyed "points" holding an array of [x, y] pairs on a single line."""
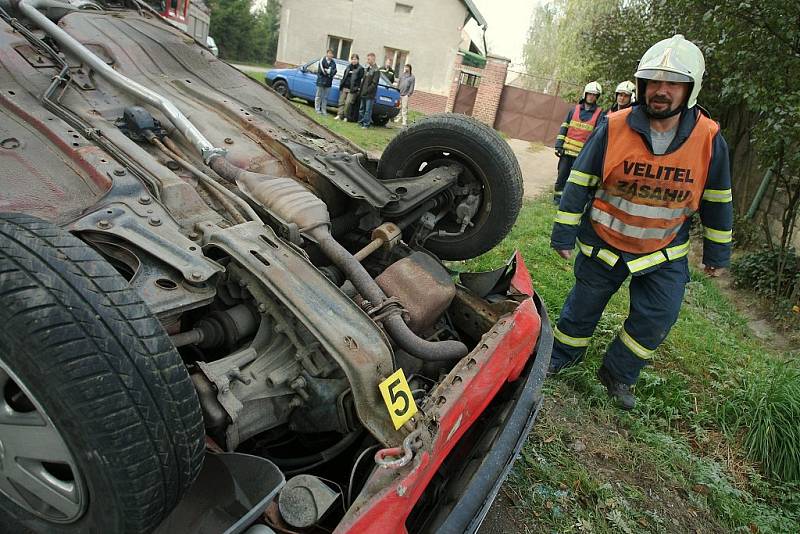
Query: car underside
{"points": [[191, 269]]}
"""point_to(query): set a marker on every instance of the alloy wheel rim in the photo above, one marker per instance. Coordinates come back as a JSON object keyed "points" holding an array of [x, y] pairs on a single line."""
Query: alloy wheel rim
{"points": [[37, 470]]}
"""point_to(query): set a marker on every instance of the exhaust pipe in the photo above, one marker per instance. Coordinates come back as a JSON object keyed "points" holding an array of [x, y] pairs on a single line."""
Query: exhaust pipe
{"points": [[284, 196]]}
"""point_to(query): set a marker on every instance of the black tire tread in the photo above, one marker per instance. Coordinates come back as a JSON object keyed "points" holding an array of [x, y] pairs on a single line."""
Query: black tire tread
{"points": [[145, 416], [509, 190]]}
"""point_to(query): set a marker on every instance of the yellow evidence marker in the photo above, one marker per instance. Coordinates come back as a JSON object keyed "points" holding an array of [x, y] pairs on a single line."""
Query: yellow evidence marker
{"points": [[398, 398]]}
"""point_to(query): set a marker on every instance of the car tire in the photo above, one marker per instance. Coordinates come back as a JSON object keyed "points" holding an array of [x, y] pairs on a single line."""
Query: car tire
{"points": [[82, 356], [489, 164], [380, 121], [282, 88]]}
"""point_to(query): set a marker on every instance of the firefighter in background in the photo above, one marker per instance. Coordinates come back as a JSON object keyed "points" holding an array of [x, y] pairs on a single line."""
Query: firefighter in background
{"points": [[624, 97], [575, 130], [628, 205]]}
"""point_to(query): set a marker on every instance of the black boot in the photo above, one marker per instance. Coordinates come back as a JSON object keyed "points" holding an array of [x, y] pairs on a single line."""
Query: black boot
{"points": [[621, 392]]}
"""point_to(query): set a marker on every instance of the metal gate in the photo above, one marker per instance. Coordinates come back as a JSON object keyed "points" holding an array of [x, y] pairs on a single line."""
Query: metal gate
{"points": [[465, 99], [529, 115]]}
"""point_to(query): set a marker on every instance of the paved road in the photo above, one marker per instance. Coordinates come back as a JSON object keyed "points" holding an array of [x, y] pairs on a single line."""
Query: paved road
{"points": [[538, 166]]}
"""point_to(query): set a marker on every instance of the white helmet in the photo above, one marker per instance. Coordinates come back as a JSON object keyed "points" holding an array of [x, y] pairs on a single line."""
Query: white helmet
{"points": [[594, 88], [672, 60], [628, 88]]}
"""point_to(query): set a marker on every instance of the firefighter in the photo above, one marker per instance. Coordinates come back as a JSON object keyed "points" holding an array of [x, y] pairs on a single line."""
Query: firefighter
{"points": [[627, 205], [624, 97], [575, 130]]}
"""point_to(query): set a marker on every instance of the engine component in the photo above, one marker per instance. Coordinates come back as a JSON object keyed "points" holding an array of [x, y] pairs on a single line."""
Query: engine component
{"points": [[422, 286], [136, 121], [220, 329], [258, 386], [330, 410], [386, 234], [305, 500]]}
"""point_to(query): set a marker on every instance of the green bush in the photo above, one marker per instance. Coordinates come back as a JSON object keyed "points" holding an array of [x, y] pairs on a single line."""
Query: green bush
{"points": [[764, 404], [759, 271]]}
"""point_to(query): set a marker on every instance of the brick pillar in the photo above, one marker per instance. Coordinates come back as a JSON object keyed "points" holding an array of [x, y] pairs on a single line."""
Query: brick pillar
{"points": [[451, 98], [490, 89]]}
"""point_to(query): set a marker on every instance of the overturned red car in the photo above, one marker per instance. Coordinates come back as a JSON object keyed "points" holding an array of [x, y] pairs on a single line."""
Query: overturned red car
{"points": [[219, 316]]}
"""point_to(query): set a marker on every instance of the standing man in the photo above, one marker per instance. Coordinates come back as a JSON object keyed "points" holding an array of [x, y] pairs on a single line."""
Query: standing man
{"points": [[349, 87], [575, 130], [369, 88], [406, 87], [629, 202], [326, 70], [388, 71], [624, 97]]}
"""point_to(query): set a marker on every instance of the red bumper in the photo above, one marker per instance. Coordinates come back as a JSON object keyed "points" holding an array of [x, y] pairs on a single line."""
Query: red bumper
{"points": [[389, 495]]}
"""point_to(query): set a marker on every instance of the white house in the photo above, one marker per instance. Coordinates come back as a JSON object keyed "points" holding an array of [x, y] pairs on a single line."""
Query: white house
{"points": [[423, 33]]}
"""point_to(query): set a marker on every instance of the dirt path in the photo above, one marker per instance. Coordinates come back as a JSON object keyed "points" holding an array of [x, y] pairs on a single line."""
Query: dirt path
{"points": [[538, 164]]}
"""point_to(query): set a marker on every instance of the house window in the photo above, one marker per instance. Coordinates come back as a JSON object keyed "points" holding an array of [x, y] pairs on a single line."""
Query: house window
{"points": [[469, 79], [340, 46], [397, 57], [403, 8]]}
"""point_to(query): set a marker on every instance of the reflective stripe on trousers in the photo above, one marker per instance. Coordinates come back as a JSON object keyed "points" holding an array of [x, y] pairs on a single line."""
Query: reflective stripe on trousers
{"points": [[639, 264], [656, 298]]}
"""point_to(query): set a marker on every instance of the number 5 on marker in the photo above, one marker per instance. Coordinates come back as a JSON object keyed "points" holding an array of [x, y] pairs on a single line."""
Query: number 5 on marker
{"points": [[398, 399]]}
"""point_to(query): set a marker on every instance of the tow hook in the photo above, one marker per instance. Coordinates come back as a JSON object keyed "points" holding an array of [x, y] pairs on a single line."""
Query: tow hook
{"points": [[397, 457]]}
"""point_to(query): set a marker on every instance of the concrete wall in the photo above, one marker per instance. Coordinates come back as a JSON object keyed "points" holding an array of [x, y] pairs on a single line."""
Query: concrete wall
{"points": [[431, 33]]}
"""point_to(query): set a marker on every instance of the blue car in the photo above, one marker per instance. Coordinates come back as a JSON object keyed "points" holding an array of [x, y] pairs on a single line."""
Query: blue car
{"points": [[301, 82]]}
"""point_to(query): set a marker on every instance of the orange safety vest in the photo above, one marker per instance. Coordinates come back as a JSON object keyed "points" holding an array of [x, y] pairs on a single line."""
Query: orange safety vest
{"points": [[644, 198], [578, 132]]}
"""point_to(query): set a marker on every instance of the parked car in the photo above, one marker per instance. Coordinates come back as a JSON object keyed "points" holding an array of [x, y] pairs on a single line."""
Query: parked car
{"points": [[213, 306], [211, 44], [301, 82]]}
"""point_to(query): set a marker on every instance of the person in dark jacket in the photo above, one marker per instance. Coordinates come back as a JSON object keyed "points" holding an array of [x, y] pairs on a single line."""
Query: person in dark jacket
{"points": [[628, 204], [326, 70], [369, 88], [349, 87], [575, 130], [388, 71]]}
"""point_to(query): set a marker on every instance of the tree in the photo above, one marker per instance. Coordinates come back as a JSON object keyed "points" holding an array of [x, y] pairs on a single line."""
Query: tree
{"points": [[556, 48], [272, 23], [243, 34]]}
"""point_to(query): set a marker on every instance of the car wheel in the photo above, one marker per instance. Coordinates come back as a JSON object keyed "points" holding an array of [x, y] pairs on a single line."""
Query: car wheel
{"points": [[491, 172], [380, 121], [100, 427], [282, 88]]}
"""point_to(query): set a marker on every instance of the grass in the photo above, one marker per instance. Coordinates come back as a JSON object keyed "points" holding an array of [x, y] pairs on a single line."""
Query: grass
{"points": [[257, 64], [716, 432], [257, 76]]}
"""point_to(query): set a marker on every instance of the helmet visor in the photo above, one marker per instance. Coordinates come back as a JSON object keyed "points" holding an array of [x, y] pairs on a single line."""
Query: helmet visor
{"points": [[663, 76]]}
